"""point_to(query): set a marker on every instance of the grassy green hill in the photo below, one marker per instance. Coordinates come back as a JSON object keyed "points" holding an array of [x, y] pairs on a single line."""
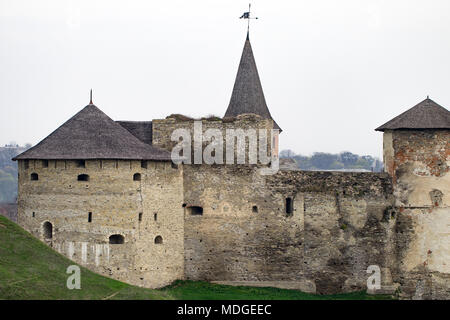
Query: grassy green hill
{"points": [[29, 269]]}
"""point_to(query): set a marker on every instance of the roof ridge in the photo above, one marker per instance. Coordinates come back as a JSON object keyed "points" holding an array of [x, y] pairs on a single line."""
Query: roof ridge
{"points": [[427, 114], [91, 134]]}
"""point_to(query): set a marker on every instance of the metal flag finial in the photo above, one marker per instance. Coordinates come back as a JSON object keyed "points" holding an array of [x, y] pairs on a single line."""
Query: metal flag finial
{"points": [[246, 15], [91, 98]]}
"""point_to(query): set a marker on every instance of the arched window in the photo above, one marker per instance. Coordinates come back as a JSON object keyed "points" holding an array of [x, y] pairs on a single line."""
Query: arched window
{"points": [[34, 176], [158, 240], [137, 177], [116, 239], [83, 177], [195, 210], [47, 229], [255, 209]]}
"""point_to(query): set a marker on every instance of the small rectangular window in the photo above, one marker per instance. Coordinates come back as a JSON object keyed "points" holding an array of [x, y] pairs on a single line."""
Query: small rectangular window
{"points": [[90, 217], [195, 211], [81, 164], [144, 164], [289, 206], [140, 216], [155, 216]]}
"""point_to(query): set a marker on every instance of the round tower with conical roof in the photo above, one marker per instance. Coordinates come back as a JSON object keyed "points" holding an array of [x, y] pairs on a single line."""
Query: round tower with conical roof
{"points": [[416, 150]]}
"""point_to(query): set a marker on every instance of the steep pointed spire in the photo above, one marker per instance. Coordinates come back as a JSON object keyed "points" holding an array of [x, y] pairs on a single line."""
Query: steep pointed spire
{"points": [[248, 95]]}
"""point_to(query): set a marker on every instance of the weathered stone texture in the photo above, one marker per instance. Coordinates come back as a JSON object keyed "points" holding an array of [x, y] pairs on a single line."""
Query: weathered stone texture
{"points": [[115, 201], [336, 230], [419, 161], [163, 129]]}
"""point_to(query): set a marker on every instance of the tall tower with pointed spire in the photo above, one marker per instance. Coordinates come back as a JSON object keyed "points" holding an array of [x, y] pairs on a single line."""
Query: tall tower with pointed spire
{"points": [[248, 95]]}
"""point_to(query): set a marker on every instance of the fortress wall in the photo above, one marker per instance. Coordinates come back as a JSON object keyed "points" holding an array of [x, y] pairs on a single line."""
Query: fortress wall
{"points": [[115, 201], [163, 129], [420, 165], [339, 226]]}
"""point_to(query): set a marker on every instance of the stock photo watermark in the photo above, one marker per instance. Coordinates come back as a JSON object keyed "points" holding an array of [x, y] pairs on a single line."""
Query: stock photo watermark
{"points": [[74, 280], [236, 151]]}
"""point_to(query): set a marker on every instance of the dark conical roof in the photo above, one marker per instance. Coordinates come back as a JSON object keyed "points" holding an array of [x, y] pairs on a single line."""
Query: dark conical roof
{"points": [[425, 115], [91, 134], [248, 95]]}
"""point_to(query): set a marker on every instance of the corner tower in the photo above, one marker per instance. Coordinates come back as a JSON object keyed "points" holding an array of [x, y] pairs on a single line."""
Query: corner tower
{"points": [[416, 151]]}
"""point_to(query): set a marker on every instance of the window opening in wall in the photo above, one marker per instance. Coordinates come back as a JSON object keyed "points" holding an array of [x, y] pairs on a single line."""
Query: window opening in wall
{"points": [[116, 239], [48, 230], [90, 217], [289, 206], [81, 163], [158, 240], [195, 210], [83, 177], [137, 177], [255, 209], [34, 177]]}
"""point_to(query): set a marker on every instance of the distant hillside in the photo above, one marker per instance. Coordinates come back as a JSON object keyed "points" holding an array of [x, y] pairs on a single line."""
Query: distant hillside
{"points": [[29, 269], [8, 172], [344, 161]]}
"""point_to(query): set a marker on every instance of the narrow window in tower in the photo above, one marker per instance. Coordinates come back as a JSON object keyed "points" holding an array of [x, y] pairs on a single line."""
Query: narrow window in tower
{"points": [[140, 216], [47, 230], [158, 240], [81, 164], [90, 217], [34, 177], [289, 206]]}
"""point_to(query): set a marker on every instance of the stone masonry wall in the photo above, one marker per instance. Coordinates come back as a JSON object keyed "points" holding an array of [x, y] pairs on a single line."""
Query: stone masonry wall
{"points": [[340, 225], [163, 129], [115, 201], [419, 161]]}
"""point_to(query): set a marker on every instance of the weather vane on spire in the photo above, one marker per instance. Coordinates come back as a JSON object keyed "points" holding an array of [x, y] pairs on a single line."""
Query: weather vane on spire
{"points": [[246, 15]]}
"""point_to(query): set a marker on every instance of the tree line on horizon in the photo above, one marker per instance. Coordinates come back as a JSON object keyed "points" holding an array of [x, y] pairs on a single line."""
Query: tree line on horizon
{"points": [[8, 171], [345, 160]]}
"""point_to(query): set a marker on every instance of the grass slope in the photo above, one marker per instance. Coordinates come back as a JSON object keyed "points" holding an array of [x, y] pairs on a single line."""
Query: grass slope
{"points": [[29, 269]]}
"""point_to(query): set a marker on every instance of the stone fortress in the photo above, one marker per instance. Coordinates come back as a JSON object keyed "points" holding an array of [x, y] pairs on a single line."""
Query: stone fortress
{"points": [[107, 195]]}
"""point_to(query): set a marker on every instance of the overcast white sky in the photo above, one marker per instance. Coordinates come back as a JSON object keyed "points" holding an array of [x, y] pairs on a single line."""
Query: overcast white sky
{"points": [[331, 71]]}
